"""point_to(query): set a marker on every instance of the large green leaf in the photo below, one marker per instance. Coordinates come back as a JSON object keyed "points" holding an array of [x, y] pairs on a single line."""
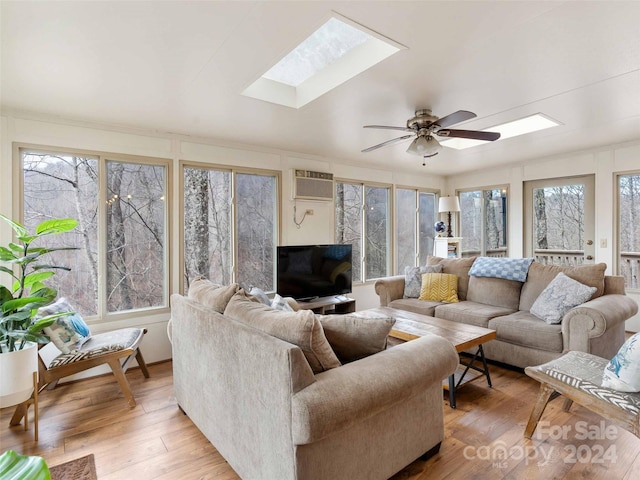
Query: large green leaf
{"points": [[7, 255], [57, 225], [18, 303], [22, 467], [36, 277], [19, 229]]}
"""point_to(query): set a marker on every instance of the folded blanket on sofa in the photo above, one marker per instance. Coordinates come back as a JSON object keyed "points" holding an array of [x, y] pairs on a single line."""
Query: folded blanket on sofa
{"points": [[507, 268]]}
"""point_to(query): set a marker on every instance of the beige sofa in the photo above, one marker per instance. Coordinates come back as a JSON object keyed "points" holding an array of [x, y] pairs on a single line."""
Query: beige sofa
{"points": [[258, 401], [597, 326]]}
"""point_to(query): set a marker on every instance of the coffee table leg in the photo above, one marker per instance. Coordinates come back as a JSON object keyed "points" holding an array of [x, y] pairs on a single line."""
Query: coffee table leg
{"points": [[484, 365], [452, 391]]}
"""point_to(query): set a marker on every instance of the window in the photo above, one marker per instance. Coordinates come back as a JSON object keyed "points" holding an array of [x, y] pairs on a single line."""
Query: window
{"points": [[629, 229], [483, 222], [362, 219], [230, 226], [120, 261], [415, 219]]}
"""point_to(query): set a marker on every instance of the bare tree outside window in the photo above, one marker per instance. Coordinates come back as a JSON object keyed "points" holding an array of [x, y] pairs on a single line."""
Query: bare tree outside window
{"points": [[256, 229], [629, 230], [406, 219], [207, 225], [349, 204], [377, 231], [136, 211], [427, 217], [211, 234], [60, 185], [559, 220], [483, 222], [66, 186]]}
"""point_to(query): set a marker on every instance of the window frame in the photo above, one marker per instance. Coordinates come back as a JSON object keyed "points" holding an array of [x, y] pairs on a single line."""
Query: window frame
{"points": [[390, 225], [617, 249], [102, 157], [417, 252], [504, 189], [234, 171]]}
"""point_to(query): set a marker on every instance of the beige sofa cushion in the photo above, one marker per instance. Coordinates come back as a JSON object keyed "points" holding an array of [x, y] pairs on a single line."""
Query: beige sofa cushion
{"points": [[494, 291], [527, 330], [455, 266], [541, 275], [471, 313], [300, 328], [356, 335], [424, 307], [211, 295]]}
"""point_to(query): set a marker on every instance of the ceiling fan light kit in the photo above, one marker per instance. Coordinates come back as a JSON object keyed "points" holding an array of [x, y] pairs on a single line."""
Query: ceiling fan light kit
{"points": [[423, 126]]}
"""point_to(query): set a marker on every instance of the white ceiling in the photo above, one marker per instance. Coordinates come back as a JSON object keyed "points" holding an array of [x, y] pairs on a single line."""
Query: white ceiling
{"points": [[180, 67]]}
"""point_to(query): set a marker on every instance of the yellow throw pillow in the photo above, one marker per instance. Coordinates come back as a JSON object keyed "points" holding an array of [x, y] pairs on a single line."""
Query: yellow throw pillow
{"points": [[439, 287]]}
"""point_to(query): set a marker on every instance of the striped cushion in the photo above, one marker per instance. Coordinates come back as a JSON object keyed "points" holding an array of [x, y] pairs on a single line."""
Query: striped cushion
{"points": [[99, 345], [584, 371]]}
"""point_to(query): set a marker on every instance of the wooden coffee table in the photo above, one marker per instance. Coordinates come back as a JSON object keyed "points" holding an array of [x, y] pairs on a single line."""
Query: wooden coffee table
{"points": [[410, 326]]}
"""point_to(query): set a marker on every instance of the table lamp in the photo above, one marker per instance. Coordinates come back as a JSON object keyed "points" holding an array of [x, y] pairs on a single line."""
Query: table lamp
{"points": [[448, 204]]}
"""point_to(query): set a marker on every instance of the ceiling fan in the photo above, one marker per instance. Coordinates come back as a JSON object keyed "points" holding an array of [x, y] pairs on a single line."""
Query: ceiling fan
{"points": [[424, 126]]}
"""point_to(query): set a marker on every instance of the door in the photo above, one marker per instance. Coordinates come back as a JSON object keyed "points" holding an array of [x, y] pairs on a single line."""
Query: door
{"points": [[560, 220]]}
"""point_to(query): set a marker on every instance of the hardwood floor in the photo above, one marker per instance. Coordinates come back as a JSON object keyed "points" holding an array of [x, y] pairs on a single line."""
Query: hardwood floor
{"points": [[156, 441]]}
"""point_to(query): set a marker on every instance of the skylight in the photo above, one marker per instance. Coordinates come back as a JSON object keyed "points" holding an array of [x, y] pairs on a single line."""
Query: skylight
{"points": [[530, 124], [336, 52]]}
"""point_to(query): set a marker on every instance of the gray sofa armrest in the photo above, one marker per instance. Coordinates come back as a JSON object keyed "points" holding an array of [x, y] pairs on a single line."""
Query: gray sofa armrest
{"points": [[343, 396], [593, 319], [389, 289]]}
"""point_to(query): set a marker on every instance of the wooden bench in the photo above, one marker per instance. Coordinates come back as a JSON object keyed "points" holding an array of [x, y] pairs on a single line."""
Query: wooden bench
{"points": [[577, 376]]}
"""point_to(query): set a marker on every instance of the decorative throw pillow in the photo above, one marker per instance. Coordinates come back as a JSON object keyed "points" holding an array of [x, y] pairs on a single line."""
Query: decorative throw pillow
{"points": [[280, 303], [259, 295], [356, 335], [505, 268], [68, 333], [623, 371], [413, 279], [211, 295], [439, 287], [560, 296], [300, 328]]}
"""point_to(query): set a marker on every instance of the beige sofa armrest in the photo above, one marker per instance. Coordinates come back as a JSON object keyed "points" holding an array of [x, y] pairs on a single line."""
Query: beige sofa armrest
{"points": [[389, 288], [593, 318], [343, 396]]}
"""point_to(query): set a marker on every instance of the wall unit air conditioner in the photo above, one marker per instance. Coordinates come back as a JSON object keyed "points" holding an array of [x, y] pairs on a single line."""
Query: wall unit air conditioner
{"points": [[308, 185]]}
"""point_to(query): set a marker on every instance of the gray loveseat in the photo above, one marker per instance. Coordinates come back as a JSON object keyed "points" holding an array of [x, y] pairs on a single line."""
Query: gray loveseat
{"points": [[258, 401], [597, 326]]}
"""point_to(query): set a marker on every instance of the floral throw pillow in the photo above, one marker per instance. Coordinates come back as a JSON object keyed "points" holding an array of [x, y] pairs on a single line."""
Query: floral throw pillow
{"points": [[623, 371], [413, 279], [67, 333], [561, 295]]}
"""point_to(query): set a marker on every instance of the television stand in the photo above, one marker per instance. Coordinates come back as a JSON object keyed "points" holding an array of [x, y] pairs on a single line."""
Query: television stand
{"points": [[338, 304]]}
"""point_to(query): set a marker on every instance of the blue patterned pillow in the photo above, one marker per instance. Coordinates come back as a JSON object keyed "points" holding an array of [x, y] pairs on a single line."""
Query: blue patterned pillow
{"points": [[561, 295], [496, 267], [623, 371], [67, 333]]}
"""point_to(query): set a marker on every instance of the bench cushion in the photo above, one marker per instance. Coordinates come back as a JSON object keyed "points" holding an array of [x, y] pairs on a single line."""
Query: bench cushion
{"points": [[101, 344], [583, 371]]}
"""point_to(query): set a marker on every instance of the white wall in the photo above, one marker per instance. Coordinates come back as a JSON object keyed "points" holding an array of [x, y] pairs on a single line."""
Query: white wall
{"points": [[319, 228], [604, 162]]}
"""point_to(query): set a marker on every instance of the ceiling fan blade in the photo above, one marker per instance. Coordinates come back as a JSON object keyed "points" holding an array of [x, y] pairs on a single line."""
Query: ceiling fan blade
{"points": [[456, 117], [472, 134], [385, 127], [388, 142]]}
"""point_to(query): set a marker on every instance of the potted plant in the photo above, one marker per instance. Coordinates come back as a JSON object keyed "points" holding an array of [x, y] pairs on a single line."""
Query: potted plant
{"points": [[20, 329]]}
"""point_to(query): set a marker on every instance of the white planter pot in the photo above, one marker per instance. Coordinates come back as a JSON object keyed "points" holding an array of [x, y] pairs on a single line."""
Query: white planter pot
{"points": [[16, 374]]}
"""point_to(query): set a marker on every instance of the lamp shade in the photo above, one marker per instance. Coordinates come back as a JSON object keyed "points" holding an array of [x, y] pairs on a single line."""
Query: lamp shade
{"points": [[448, 204], [424, 145]]}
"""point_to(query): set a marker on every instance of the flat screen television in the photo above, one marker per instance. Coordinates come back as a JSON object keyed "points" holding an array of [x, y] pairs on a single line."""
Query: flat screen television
{"points": [[307, 272]]}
